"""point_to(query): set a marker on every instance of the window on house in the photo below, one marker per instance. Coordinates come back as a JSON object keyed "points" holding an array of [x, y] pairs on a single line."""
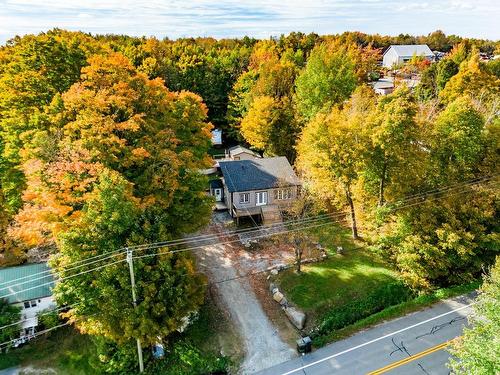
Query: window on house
{"points": [[283, 194], [29, 304], [244, 197]]}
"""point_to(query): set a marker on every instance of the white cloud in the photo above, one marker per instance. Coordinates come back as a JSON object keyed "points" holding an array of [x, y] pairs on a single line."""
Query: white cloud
{"points": [[261, 18]]}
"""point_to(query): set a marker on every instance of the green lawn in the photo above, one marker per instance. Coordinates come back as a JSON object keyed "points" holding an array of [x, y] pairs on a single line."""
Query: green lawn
{"points": [[340, 278], [352, 291]]}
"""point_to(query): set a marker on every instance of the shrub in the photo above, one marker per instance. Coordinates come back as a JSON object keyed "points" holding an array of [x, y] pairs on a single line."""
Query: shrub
{"points": [[186, 359], [9, 314], [47, 319], [342, 316]]}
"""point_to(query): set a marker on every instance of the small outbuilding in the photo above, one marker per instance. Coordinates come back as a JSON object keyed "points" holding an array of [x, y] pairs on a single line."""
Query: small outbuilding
{"points": [[241, 153], [383, 86]]}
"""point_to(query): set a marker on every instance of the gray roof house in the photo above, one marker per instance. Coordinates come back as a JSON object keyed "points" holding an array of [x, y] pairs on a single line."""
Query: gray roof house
{"points": [[399, 54], [259, 187]]}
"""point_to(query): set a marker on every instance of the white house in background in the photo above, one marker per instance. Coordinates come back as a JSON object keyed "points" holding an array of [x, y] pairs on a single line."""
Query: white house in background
{"points": [[401, 53], [29, 287], [217, 137]]}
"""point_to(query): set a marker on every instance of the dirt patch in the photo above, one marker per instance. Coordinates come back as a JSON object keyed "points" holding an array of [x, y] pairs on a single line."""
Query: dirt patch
{"points": [[227, 337], [227, 271], [273, 310], [36, 371]]}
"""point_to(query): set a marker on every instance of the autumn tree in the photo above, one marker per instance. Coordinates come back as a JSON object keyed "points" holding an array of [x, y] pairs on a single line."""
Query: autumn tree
{"points": [[261, 110], [328, 79], [270, 126], [457, 141], [204, 66], [32, 70], [268, 75], [330, 152], [168, 289], [472, 79], [393, 133], [447, 241], [438, 41], [476, 351], [122, 170]]}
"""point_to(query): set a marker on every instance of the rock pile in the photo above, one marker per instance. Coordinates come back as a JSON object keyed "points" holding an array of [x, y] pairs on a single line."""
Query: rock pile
{"points": [[296, 317]]}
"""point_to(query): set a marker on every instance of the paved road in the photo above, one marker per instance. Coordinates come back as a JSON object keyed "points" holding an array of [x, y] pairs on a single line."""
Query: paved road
{"points": [[10, 371], [389, 343]]}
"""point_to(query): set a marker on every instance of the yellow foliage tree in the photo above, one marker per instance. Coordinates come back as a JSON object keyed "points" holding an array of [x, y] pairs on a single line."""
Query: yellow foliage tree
{"points": [[330, 152]]}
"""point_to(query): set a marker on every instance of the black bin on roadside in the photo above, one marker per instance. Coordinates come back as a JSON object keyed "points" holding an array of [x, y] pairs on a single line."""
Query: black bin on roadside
{"points": [[304, 345]]}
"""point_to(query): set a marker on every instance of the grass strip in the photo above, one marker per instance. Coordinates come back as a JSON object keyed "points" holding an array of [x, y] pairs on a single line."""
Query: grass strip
{"points": [[396, 311]]}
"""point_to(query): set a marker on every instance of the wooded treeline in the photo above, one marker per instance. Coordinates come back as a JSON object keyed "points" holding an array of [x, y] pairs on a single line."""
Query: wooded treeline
{"points": [[102, 137]]}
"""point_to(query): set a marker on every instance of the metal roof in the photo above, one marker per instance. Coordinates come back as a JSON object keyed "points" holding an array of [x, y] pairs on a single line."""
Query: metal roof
{"points": [[257, 174], [31, 277], [384, 83], [409, 50]]}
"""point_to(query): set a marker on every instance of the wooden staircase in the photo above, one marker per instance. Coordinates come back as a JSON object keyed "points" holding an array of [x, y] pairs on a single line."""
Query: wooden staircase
{"points": [[271, 214]]}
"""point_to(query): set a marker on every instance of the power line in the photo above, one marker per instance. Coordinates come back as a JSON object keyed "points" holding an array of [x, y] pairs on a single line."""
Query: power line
{"points": [[6, 343], [238, 240], [48, 273], [59, 279], [310, 220], [46, 312], [157, 245], [143, 256], [282, 232], [444, 188], [207, 237], [377, 339]]}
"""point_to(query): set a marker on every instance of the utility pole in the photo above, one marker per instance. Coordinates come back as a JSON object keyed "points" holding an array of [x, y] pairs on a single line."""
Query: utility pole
{"points": [[134, 300]]}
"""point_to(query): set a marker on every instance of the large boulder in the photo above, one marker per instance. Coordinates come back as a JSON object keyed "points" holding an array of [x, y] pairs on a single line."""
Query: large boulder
{"points": [[278, 296], [297, 317], [284, 302], [272, 286]]}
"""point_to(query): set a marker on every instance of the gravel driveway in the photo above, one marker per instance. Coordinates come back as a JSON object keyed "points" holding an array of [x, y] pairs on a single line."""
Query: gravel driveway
{"points": [[263, 345]]}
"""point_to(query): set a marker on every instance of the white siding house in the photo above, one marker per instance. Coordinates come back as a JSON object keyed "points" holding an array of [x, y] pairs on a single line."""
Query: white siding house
{"points": [[399, 54], [29, 287]]}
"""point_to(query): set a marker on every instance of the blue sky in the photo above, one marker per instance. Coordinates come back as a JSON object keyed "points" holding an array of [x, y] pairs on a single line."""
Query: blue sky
{"points": [[257, 18]]}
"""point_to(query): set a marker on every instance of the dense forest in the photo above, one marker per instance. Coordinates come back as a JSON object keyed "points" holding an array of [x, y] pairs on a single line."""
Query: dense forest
{"points": [[101, 138]]}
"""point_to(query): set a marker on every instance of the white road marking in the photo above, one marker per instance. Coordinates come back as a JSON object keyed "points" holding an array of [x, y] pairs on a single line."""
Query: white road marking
{"points": [[377, 339]]}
